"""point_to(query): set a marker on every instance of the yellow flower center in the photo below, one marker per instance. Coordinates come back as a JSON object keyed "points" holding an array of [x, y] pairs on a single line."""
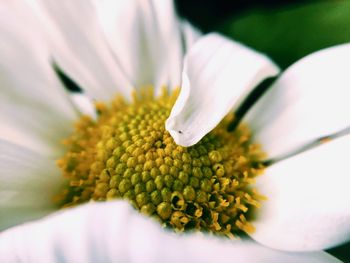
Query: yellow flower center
{"points": [[127, 153]]}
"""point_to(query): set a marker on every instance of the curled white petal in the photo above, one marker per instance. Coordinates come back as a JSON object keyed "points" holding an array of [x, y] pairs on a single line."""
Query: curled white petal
{"points": [[114, 232], [218, 74], [308, 204], [309, 101]]}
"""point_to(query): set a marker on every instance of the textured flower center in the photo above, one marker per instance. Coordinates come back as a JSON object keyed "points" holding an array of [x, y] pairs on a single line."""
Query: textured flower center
{"points": [[127, 153]]}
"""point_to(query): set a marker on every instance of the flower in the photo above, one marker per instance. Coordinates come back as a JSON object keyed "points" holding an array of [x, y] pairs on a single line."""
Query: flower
{"points": [[307, 206]]}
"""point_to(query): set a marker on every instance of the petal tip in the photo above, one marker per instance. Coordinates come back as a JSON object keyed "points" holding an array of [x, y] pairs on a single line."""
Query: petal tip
{"points": [[180, 136]]}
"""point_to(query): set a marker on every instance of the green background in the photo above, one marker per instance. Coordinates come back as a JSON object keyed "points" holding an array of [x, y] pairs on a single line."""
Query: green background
{"points": [[285, 30]]}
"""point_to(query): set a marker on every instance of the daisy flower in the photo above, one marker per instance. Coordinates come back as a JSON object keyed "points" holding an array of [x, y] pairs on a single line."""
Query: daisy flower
{"points": [[152, 111]]}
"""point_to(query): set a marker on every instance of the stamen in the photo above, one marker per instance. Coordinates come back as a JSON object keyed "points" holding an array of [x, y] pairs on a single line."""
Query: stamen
{"points": [[127, 153]]}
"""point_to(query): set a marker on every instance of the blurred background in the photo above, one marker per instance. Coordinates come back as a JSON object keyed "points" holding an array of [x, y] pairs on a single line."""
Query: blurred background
{"points": [[285, 30]]}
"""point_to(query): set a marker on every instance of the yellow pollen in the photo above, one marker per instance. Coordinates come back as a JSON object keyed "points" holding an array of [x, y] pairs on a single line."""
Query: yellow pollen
{"points": [[127, 153]]}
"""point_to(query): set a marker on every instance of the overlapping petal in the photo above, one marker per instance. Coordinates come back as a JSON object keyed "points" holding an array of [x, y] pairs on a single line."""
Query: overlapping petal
{"points": [[218, 74], [114, 232], [309, 101]]}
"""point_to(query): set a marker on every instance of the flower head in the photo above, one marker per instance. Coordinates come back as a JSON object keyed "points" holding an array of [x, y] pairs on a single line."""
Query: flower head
{"points": [[137, 149]]}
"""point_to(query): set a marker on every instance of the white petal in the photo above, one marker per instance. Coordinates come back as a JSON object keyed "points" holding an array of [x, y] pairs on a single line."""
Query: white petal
{"points": [[84, 104], [308, 195], [35, 110], [218, 74], [190, 34], [113, 232], [28, 182], [33, 126], [80, 49], [169, 34], [145, 38], [308, 102]]}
